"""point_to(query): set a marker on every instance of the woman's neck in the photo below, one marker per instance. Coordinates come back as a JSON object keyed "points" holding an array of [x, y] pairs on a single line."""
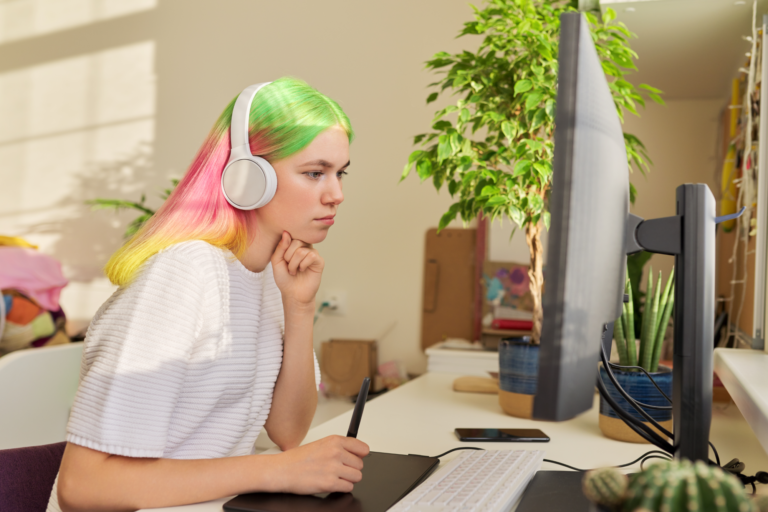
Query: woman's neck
{"points": [[259, 252]]}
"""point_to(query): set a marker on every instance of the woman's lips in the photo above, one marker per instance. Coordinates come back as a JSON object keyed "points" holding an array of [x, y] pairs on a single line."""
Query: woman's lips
{"points": [[327, 220]]}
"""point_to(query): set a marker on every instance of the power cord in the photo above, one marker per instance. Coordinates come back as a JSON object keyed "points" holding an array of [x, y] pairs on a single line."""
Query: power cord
{"points": [[653, 454], [456, 449]]}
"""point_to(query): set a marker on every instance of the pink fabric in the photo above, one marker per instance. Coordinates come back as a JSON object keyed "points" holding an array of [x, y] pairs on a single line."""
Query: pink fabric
{"points": [[32, 273]]}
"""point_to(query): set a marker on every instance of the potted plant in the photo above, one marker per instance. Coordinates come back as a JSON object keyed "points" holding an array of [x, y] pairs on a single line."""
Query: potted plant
{"points": [[122, 204], [645, 354], [670, 486], [493, 147]]}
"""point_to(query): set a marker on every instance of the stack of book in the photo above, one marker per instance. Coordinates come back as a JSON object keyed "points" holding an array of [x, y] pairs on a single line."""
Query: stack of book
{"points": [[465, 362], [506, 323]]}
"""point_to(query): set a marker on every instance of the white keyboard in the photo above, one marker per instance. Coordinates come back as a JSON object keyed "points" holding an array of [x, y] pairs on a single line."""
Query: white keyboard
{"points": [[489, 480]]}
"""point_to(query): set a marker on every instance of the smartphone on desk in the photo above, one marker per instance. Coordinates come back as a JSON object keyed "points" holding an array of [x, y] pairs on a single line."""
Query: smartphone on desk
{"points": [[509, 435]]}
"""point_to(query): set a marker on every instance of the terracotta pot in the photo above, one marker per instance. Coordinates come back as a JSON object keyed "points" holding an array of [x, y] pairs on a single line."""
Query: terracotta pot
{"points": [[518, 374], [639, 387]]}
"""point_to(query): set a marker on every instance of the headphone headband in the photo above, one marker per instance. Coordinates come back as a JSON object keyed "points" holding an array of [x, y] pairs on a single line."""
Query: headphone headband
{"points": [[238, 129]]}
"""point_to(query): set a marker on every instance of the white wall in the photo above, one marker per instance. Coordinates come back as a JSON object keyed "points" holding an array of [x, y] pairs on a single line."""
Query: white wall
{"points": [[681, 139], [108, 104], [101, 101]]}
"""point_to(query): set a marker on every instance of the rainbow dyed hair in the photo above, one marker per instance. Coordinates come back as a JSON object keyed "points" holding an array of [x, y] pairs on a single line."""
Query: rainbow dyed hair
{"points": [[285, 117]]}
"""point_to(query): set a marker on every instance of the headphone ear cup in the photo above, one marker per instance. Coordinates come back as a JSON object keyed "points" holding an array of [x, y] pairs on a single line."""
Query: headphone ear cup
{"points": [[249, 183]]}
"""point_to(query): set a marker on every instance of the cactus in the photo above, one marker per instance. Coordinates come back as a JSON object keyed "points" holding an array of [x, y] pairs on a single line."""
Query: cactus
{"points": [[605, 486], [670, 486]]}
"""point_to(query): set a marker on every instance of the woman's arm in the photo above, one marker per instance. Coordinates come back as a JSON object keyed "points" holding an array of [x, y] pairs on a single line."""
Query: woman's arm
{"points": [[93, 480], [295, 396], [297, 268]]}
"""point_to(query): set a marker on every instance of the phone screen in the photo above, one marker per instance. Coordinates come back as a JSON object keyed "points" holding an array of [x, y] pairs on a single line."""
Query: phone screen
{"points": [[513, 435]]}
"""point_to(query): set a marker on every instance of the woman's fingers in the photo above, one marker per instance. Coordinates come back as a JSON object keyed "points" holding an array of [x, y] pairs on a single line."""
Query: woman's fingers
{"points": [[298, 256], [282, 248], [295, 245], [350, 474], [352, 461]]}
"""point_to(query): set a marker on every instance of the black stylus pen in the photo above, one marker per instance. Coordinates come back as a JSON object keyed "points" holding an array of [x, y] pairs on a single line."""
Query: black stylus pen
{"points": [[357, 414]]}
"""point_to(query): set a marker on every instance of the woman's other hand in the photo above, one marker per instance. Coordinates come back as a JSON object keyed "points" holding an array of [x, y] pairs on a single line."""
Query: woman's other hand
{"points": [[297, 267], [332, 464]]}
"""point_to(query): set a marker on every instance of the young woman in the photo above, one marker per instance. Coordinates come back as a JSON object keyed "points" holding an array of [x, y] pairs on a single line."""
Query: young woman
{"points": [[209, 337]]}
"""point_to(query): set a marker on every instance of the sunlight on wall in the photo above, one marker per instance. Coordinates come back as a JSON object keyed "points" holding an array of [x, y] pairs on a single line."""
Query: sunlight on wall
{"points": [[68, 130], [20, 19]]}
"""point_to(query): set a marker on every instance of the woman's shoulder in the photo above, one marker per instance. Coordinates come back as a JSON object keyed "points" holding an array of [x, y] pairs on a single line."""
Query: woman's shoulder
{"points": [[186, 261]]}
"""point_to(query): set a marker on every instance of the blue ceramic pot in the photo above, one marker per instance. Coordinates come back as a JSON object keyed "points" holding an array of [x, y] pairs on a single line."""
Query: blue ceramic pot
{"points": [[639, 387], [518, 365]]}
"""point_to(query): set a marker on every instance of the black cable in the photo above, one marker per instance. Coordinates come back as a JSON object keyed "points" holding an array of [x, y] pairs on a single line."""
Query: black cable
{"points": [[643, 430], [658, 440], [717, 456], [460, 448], [653, 381], [644, 456], [642, 463], [628, 398]]}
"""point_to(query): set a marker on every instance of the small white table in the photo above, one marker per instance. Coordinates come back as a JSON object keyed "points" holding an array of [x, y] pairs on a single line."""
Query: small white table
{"points": [[420, 416]]}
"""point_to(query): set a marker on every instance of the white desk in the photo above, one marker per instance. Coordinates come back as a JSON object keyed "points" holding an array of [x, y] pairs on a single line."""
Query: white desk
{"points": [[420, 417], [745, 375]]}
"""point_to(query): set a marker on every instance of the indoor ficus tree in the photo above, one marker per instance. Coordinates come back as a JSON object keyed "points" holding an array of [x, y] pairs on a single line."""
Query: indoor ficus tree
{"points": [[493, 147]]}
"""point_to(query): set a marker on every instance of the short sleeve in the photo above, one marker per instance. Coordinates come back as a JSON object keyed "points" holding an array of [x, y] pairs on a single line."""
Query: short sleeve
{"points": [[136, 358]]}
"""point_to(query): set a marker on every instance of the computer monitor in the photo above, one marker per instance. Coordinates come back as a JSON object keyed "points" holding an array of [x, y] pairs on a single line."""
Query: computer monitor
{"points": [[589, 205], [590, 234]]}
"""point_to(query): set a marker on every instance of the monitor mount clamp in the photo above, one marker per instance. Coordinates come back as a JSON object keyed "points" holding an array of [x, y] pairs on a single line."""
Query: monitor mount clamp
{"points": [[689, 236]]}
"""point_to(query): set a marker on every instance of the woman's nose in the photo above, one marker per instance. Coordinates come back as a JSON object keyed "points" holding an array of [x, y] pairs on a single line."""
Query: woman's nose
{"points": [[333, 193]]}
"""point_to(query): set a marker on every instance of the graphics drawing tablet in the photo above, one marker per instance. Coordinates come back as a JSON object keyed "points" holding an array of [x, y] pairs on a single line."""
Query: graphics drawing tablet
{"points": [[387, 478]]}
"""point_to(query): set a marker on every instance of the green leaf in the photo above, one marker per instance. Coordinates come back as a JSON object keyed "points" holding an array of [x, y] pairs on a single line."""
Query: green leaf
{"points": [[543, 168], [547, 219], [432, 97], [521, 167], [538, 119], [508, 130], [464, 115], [650, 89], [406, 171], [490, 190], [523, 86], [515, 214], [453, 187], [424, 168], [415, 156], [609, 16], [446, 219], [549, 106], [443, 148], [533, 99], [496, 201]]}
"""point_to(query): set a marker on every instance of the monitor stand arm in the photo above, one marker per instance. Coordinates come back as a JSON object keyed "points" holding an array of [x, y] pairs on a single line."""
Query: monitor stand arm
{"points": [[690, 237]]}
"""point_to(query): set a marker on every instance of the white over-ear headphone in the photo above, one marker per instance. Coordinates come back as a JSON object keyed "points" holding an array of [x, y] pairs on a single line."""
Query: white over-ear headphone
{"points": [[248, 182]]}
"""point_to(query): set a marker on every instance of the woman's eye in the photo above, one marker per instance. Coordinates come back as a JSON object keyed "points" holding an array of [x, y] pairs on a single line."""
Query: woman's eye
{"points": [[314, 174], [341, 174]]}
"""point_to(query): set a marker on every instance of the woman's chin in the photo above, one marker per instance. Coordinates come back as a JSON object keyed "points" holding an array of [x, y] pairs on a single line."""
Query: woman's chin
{"points": [[313, 236]]}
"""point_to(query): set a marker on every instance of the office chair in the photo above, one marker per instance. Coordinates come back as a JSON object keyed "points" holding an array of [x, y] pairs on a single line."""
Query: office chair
{"points": [[27, 476], [37, 390]]}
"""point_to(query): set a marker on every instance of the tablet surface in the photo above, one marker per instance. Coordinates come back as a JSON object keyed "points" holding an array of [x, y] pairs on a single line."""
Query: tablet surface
{"points": [[387, 477]]}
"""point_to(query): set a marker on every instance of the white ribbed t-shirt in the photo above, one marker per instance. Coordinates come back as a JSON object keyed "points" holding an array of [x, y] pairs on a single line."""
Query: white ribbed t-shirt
{"points": [[182, 362]]}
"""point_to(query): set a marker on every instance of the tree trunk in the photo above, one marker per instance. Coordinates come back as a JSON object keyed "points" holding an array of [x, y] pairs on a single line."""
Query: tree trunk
{"points": [[536, 276]]}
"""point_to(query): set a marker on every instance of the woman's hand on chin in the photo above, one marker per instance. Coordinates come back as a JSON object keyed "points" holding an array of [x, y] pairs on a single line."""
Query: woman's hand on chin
{"points": [[297, 267]]}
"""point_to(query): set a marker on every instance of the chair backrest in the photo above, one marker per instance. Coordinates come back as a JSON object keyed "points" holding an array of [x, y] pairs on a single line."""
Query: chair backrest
{"points": [[37, 390], [27, 476]]}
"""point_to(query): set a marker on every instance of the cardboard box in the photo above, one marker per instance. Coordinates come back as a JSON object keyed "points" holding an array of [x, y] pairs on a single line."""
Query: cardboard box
{"points": [[345, 363]]}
